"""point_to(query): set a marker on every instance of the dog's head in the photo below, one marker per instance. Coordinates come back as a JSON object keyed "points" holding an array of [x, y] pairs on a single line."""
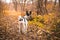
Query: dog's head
{"points": [[28, 13]]}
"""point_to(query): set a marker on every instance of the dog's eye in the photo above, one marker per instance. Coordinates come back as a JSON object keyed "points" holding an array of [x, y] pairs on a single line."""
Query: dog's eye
{"points": [[20, 19]]}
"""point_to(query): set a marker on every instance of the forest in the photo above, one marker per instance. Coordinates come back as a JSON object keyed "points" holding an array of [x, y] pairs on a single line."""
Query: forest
{"points": [[43, 22]]}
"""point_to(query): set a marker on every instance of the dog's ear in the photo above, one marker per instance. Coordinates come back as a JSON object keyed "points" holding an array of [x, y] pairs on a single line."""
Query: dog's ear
{"points": [[30, 12], [26, 12]]}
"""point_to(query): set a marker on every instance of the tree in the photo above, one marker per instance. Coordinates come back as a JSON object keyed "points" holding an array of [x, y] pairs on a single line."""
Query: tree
{"points": [[15, 4], [3, 7], [59, 5], [45, 7], [0, 7], [45, 3], [54, 4], [22, 4], [40, 7]]}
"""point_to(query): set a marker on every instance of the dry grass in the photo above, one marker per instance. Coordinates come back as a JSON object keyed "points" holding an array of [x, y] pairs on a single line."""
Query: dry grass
{"points": [[9, 29]]}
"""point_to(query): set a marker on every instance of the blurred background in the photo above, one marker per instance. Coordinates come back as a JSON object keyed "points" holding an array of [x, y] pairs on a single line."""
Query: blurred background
{"points": [[44, 25]]}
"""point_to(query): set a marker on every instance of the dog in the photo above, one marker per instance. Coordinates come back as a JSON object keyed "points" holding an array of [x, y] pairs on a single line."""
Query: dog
{"points": [[23, 24]]}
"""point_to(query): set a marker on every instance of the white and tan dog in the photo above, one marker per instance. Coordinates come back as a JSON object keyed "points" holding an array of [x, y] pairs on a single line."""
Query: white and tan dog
{"points": [[23, 24]]}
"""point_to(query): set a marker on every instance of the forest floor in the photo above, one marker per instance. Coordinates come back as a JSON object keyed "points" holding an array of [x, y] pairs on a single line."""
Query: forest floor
{"points": [[9, 30]]}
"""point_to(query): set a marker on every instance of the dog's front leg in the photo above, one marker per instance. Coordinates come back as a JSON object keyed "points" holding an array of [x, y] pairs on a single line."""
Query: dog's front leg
{"points": [[26, 26], [23, 28]]}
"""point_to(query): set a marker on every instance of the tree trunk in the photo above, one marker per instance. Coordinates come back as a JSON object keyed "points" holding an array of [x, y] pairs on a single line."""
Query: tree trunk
{"points": [[1, 7], [15, 4], [55, 2], [46, 6], [59, 3], [40, 7], [59, 6], [45, 3]]}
